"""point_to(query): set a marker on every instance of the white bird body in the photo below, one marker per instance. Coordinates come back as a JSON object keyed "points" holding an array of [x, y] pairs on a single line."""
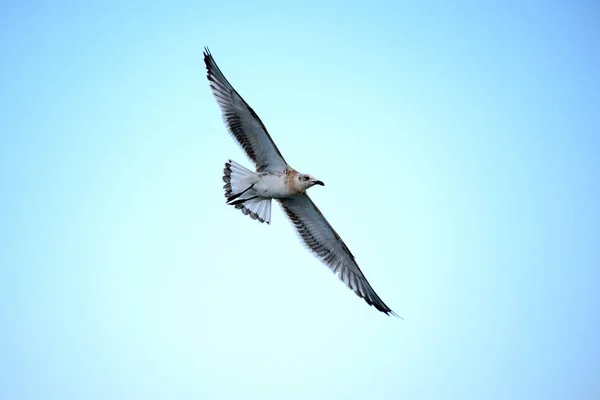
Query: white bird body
{"points": [[272, 185], [252, 192], [275, 185]]}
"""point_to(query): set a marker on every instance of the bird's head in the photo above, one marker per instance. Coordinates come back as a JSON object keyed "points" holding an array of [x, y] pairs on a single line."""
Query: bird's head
{"points": [[306, 181]]}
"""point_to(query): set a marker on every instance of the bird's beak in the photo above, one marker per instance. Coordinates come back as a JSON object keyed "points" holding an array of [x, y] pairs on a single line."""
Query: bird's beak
{"points": [[319, 183]]}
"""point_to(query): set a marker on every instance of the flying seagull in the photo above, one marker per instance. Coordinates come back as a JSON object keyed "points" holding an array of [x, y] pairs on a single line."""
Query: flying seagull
{"points": [[251, 192]]}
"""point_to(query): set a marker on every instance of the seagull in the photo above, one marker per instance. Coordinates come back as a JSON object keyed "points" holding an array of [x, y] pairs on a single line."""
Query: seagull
{"points": [[252, 192]]}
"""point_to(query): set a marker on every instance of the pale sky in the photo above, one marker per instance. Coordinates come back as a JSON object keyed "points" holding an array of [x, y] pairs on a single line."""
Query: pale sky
{"points": [[459, 147]]}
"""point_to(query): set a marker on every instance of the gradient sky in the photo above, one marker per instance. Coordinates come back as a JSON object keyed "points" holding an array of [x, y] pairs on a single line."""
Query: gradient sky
{"points": [[459, 144]]}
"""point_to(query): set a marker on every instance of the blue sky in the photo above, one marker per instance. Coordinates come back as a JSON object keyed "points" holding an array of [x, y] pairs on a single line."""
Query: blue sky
{"points": [[459, 146]]}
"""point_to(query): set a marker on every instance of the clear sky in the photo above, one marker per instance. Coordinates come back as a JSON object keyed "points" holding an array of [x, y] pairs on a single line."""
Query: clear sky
{"points": [[459, 144]]}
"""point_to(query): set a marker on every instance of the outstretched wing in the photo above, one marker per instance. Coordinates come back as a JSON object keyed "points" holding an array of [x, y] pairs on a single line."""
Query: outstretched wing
{"points": [[328, 246], [242, 121]]}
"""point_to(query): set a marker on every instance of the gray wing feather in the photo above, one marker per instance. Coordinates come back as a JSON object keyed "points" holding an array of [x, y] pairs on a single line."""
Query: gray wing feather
{"points": [[320, 237], [243, 123]]}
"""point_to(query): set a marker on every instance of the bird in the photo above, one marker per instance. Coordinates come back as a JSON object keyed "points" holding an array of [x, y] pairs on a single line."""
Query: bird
{"points": [[252, 191]]}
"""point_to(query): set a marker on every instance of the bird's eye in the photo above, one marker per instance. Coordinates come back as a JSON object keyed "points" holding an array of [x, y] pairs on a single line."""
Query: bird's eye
{"points": [[305, 177]]}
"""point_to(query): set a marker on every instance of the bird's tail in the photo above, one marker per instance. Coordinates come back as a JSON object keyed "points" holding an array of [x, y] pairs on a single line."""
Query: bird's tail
{"points": [[236, 180], [239, 193]]}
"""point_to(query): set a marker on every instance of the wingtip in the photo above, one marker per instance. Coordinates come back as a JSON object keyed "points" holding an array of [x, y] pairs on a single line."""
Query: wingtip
{"points": [[393, 314], [388, 311], [209, 62]]}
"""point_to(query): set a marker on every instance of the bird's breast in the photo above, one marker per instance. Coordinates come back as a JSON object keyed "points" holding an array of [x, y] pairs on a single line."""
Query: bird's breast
{"points": [[272, 186]]}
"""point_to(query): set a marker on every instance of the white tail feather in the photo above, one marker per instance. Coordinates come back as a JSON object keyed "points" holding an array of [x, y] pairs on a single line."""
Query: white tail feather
{"points": [[236, 183], [235, 178], [258, 208]]}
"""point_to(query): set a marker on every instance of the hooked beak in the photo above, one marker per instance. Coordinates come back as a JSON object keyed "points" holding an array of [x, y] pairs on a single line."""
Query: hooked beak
{"points": [[318, 183]]}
